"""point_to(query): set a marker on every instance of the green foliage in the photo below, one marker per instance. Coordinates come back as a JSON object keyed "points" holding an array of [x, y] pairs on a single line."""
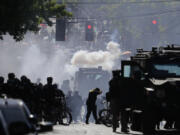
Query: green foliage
{"points": [[20, 16]]}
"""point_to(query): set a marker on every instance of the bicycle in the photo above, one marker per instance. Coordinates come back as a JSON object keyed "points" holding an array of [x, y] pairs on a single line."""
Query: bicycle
{"points": [[63, 113], [105, 115]]}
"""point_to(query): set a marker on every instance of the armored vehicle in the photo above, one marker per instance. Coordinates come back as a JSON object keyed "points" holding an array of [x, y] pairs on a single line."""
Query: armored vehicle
{"points": [[89, 78], [159, 75]]}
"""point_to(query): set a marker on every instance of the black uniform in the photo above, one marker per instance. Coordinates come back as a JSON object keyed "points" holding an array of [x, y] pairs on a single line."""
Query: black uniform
{"points": [[91, 104], [12, 85], [138, 100], [49, 93], [118, 101], [59, 103]]}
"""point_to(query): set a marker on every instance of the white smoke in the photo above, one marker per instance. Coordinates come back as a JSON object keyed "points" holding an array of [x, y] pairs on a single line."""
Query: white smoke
{"points": [[37, 64], [36, 59], [106, 59]]}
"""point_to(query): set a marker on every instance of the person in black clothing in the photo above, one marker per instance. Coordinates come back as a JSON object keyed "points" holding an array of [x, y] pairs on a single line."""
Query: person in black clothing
{"points": [[138, 100], [91, 104], [59, 103], [49, 90], [49, 93], [12, 85], [38, 99], [114, 97], [118, 104], [25, 92]]}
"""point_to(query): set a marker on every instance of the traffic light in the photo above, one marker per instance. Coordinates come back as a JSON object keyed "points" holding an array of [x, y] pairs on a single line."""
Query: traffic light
{"points": [[154, 22], [60, 29], [89, 31], [154, 26]]}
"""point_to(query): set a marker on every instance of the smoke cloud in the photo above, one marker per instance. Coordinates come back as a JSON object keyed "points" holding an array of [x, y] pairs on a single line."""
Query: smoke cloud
{"points": [[38, 64], [39, 59], [106, 59], [36, 59]]}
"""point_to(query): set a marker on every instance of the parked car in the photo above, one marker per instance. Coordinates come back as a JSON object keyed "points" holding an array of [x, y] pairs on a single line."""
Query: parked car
{"points": [[15, 117], [3, 125]]}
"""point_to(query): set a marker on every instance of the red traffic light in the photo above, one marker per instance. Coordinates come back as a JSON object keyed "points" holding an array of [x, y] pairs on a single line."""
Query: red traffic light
{"points": [[89, 26], [154, 22], [43, 25], [89, 31]]}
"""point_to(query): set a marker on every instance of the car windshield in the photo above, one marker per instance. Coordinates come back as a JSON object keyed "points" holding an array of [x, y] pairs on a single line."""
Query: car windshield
{"points": [[13, 115], [165, 69]]}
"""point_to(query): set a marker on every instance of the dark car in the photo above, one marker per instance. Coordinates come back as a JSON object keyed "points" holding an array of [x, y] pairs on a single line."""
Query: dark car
{"points": [[15, 117], [3, 125]]}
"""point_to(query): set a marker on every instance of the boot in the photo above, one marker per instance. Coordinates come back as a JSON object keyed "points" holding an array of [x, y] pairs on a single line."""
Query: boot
{"points": [[87, 122], [114, 129]]}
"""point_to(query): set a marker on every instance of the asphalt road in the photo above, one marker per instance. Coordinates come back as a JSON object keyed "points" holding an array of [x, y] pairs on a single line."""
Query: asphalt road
{"points": [[83, 129], [93, 129]]}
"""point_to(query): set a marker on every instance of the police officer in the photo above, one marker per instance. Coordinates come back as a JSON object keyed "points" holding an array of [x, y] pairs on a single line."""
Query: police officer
{"points": [[49, 90], [117, 101], [91, 104], [12, 85], [59, 103], [25, 92], [114, 97], [137, 90], [49, 93]]}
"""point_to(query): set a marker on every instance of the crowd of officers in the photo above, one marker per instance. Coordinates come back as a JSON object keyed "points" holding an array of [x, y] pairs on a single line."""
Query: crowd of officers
{"points": [[47, 102], [42, 100], [122, 98]]}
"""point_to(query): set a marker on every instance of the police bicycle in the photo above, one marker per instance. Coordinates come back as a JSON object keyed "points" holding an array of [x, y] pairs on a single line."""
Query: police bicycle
{"points": [[105, 115], [63, 114]]}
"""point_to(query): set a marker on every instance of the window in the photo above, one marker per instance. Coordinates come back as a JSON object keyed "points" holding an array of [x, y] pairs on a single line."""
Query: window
{"points": [[127, 71]]}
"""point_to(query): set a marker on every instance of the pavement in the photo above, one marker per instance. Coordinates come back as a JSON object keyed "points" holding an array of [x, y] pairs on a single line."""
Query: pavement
{"points": [[83, 129]]}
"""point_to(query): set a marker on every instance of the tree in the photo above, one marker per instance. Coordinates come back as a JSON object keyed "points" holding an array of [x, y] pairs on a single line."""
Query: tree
{"points": [[19, 16]]}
